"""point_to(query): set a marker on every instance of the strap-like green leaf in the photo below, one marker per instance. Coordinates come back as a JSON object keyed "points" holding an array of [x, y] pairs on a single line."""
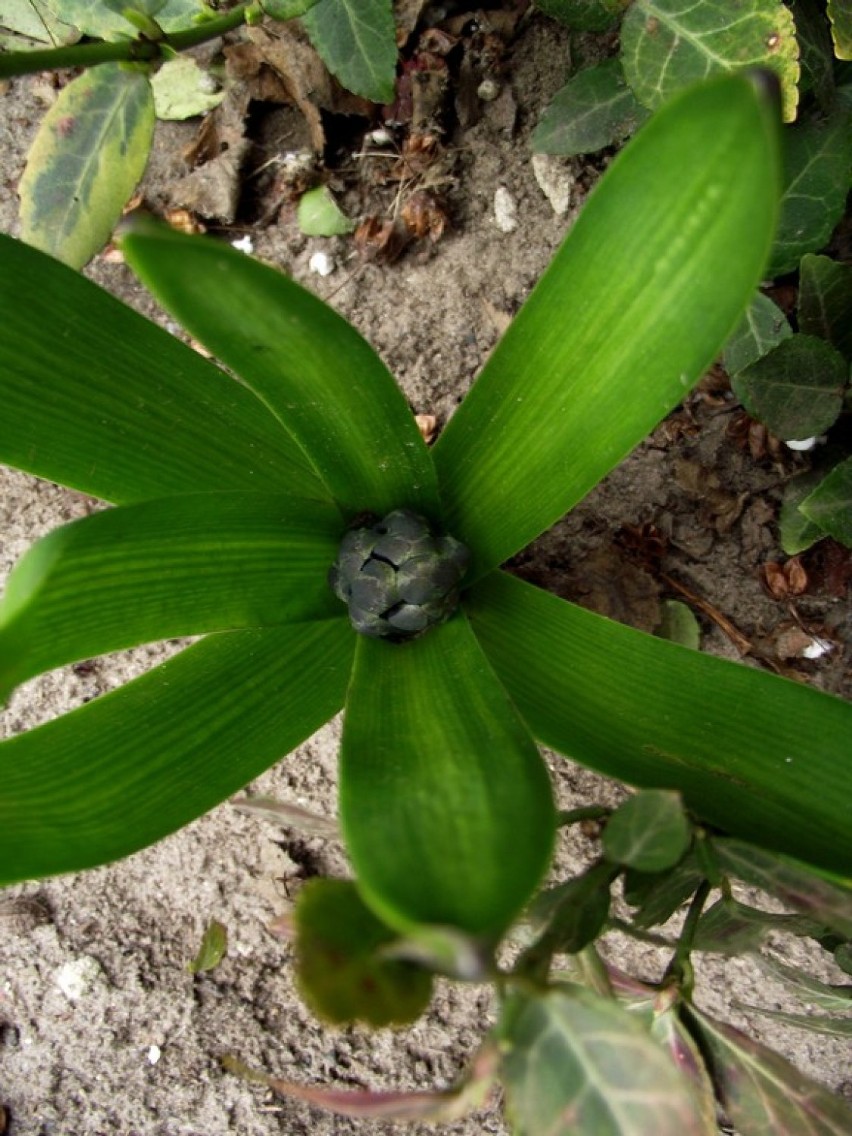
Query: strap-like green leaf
{"points": [[759, 756], [633, 308], [98, 398], [134, 765], [162, 569], [445, 802], [313, 370], [90, 151]]}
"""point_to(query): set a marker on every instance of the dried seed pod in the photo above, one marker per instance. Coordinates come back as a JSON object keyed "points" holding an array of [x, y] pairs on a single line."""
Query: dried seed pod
{"points": [[397, 576]]}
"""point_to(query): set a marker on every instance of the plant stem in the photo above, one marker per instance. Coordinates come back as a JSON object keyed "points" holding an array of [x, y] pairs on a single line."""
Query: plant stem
{"points": [[679, 969], [125, 51], [587, 812]]}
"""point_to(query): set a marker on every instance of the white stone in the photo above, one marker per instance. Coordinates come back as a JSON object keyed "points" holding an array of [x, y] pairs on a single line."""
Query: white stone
{"points": [[322, 264], [75, 979], [243, 244], [555, 180], [801, 444], [817, 648], [505, 210]]}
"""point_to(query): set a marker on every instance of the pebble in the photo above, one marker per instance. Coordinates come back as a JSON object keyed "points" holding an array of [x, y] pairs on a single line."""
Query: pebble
{"points": [[555, 180], [322, 264], [505, 210], [75, 979]]}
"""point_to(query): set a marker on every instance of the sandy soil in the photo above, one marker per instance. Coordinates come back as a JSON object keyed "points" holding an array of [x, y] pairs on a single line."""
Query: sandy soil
{"points": [[102, 1029]]}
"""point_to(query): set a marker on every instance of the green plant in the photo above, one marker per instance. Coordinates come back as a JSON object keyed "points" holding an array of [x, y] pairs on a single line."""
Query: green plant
{"points": [[665, 45], [798, 385], [93, 144], [235, 499]]}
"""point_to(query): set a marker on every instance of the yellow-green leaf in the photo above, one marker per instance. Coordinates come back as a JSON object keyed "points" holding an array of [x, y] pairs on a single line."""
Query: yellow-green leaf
{"points": [[88, 155]]}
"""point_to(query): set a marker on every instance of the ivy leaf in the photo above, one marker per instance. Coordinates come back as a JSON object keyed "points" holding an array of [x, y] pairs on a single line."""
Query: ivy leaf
{"points": [[573, 914], [806, 988], [214, 946], [104, 19], [762, 327], [575, 1062], [830, 505], [817, 168], [648, 832], [761, 1092], [815, 50], [824, 900], [595, 108], [659, 895], [825, 301], [286, 9], [797, 389], [181, 90], [584, 15], [840, 15], [430, 1107], [35, 20], [319, 215], [89, 153], [356, 39], [340, 969], [732, 928], [666, 45], [833, 1027], [679, 625], [798, 532]]}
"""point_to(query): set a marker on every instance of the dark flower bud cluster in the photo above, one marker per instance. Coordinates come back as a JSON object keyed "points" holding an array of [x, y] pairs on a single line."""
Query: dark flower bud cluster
{"points": [[397, 576]]}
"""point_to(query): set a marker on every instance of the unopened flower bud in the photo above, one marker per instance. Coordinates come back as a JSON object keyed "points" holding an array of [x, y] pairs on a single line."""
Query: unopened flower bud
{"points": [[397, 576]]}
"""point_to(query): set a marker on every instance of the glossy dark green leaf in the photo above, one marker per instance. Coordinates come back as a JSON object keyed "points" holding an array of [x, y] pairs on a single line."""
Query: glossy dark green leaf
{"points": [[796, 390], [762, 327], [817, 175], [584, 15], [666, 45], [733, 928], [573, 914], [164, 569], [796, 531], [445, 802], [212, 949], [825, 301], [841, 28], [132, 766], [594, 109], [816, 54], [650, 291], [830, 505], [317, 375], [340, 969], [577, 1063], [823, 900], [665, 892], [82, 375], [90, 151], [761, 757], [763, 1094], [649, 831], [357, 42]]}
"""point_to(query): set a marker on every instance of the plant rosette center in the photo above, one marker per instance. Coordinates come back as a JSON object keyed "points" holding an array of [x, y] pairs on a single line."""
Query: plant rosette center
{"points": [[397, 576]]}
